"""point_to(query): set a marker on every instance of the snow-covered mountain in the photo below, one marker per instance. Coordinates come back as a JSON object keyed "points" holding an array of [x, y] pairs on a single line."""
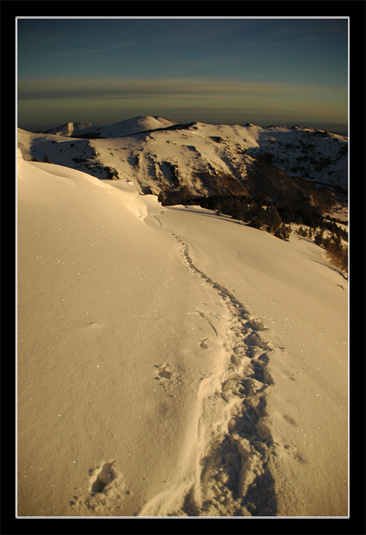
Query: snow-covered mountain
{"points": [[134, 126], [304, 152], [71, 129], [141, 123], [279, 164]]}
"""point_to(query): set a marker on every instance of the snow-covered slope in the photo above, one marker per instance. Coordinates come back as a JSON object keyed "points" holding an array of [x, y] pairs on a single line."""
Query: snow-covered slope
{"points": [[206, 159], [305, 152], [134, 125], [158, 377], [71, 129], [181, 162]]}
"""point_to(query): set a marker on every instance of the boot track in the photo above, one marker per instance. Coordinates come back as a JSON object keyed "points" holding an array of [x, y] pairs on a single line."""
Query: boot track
{"points": [[234, 443]]}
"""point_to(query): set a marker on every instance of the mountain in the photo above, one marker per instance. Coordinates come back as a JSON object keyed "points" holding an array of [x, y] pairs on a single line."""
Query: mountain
{"points": [[304, 152], [134, 126], [288, 166], [73, 129], [141, 123]]}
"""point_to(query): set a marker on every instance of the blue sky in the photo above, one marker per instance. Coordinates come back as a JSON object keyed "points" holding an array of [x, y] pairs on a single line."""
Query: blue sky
{"points": [[265, 71]]}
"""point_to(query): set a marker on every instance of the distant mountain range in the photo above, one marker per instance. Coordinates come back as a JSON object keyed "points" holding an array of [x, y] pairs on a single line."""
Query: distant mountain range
{"points": [[278, 164], [73, 129], [122, 128]]}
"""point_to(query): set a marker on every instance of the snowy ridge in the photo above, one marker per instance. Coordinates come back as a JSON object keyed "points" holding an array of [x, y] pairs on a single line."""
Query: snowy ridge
{"points": [[305, 152], [134, 126], [202, 158], [71, 129], [127, 127]]}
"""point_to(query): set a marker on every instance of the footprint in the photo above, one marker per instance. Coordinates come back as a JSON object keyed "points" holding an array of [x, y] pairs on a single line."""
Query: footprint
{"points": [[105, 476], [104, 494], [167, 376], [256, 325], [263, 358], [261, 374], [164, 371], [254, 339]]}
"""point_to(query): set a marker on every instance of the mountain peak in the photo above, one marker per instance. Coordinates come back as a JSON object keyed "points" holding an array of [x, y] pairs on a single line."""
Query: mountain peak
{"points": [[140, 123], [70, 129]]}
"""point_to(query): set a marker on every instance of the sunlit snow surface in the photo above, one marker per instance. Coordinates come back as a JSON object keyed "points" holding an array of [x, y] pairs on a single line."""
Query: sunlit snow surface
{"points": [[171, 361]]}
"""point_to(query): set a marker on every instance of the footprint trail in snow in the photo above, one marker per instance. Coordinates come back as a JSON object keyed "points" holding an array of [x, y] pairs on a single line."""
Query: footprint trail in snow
{"points": [[234, 442]]}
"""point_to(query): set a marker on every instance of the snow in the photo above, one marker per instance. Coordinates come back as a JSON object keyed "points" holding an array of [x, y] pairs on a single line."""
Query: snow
{"points": [[73, 129], [171, 361], [197, 150], [305, 152], [134, 125]]}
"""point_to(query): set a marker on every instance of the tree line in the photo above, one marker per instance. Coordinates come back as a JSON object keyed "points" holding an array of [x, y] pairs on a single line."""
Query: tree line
{"points": [[276, 219]]}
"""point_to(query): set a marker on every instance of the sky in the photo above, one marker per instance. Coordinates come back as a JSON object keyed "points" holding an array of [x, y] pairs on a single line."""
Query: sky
{"points": [[216, 70]]}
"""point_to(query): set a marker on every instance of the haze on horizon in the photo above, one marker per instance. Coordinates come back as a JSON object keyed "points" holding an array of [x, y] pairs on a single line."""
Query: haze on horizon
{"points": [[215, 70]]}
